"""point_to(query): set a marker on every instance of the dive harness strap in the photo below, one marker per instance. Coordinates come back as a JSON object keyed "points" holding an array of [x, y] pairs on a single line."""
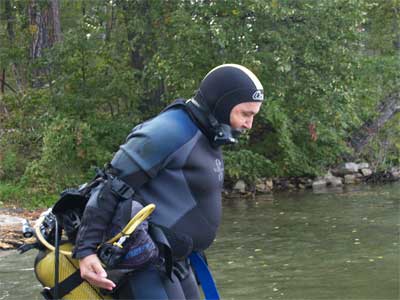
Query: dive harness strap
{"points": [[204, 276], [118, 187], [67, 285], [121, 188]]}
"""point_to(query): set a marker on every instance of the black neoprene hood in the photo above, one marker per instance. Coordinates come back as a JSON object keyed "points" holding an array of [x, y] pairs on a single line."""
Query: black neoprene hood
{"points": [[226, 86]]}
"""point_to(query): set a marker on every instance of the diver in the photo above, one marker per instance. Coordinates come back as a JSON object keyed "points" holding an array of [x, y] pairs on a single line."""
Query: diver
{"points": [[174, 161]]}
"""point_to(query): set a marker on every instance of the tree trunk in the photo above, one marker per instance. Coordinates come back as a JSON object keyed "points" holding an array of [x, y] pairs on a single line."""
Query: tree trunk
{"points": [[110, 20], [141, 53], [396, 29], [44, 20], [55, 9], [10, 17], [386, 110]]}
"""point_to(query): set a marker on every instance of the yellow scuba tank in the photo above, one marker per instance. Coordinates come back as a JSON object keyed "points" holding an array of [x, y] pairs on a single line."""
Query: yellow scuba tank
{"points": [[71, 286]]}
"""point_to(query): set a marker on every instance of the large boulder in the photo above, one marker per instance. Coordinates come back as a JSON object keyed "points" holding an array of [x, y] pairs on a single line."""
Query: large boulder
{"points": [[346, 168], [240, 186]]}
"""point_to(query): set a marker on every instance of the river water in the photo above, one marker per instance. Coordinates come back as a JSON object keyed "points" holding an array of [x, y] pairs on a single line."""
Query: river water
{"points": [[329, 245]]}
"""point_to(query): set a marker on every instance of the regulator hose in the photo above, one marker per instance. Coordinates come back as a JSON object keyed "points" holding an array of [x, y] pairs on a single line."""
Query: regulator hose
{"points": [[41, 238], [56, 258]]}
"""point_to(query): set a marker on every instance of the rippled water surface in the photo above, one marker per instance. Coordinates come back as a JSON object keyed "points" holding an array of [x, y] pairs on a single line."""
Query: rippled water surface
{"points": [[310, 246], [287, 246]]}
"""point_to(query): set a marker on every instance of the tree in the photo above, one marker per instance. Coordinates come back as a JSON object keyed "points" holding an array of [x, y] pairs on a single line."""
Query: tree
{"points": [[45, 29]]}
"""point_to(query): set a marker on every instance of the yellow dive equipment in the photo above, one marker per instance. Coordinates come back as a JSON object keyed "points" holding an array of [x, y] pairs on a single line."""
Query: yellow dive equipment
{"points": [[142, 215], [69, 276], [70, 284]]}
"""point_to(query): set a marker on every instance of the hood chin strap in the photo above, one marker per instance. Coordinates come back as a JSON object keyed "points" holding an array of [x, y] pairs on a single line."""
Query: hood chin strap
{"points": [[219, 134]]}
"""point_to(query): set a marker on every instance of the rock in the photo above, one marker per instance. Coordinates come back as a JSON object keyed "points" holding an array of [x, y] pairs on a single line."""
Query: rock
{"points": [[327, 176], [309, 183], [269, 184], [332, 180], [319, 184], [240, 186], [346, 168], [283, 184], [358, 175], [366, 172], [363, 165], [395, 173], [335, 181], [302, 186], [261, 187], [349, 179]]}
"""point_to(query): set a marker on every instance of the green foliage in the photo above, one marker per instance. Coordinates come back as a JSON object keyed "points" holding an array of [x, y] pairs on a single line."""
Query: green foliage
{"points": [[8, 164], [246, 165], [69, 151], [10, 193], [17, 194], [325, 66]]}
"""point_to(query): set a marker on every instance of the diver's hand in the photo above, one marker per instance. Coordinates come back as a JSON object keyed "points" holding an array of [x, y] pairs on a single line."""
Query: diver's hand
{"points": [[93, 272]]}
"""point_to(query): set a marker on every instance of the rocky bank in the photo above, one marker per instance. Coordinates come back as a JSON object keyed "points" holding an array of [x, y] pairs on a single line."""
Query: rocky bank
{"points": [[344, 174]]}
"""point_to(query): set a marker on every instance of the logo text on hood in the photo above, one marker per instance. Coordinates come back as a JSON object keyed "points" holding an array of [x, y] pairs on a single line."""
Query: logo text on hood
{"points": [[258, 95]]}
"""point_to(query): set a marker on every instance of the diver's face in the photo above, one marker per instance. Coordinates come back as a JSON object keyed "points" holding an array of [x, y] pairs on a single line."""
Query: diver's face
{"points": [[242, 115]]}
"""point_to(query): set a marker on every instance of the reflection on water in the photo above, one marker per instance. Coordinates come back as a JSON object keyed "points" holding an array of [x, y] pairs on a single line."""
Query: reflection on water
{"points": [[310, 246], [287, 246]]}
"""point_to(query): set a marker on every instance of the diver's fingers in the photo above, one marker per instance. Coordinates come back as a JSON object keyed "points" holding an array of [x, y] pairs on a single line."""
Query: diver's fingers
{"points": [[93, 272], [98, 268], [99, 281]]}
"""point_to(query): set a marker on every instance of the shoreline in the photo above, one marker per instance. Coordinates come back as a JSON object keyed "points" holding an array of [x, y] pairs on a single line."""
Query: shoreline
{"points": [[11, 233], [346, 174]]}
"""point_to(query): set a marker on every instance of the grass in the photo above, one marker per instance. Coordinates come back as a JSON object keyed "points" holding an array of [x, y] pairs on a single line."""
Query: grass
{"points": [[20, 196]]}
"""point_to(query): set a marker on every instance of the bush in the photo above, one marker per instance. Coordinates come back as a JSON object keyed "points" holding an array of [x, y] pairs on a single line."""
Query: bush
{"points": [[69, 151], [17, 194], [246, 165], [8, 164]]}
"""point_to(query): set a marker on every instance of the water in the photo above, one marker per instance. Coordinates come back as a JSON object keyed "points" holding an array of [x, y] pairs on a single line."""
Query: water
{"points": [[17, 279], [310, 246], [287, 246]]}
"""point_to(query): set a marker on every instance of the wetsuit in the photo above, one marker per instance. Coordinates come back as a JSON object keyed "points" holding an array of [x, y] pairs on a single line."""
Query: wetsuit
{"points": [[174, 161], [170, 162]]}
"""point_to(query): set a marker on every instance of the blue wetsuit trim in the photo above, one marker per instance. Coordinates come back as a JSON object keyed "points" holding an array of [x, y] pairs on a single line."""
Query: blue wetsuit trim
{"points": [[204, 275]]}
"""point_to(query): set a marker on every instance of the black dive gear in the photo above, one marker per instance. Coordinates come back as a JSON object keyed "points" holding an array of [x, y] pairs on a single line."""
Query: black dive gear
{"points": [[222, 89], [129, 251], [226, 86], [218, 134]]}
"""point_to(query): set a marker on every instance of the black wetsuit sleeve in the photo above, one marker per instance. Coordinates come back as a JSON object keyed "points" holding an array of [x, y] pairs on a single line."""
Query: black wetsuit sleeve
{"points": [[98, 214]]}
